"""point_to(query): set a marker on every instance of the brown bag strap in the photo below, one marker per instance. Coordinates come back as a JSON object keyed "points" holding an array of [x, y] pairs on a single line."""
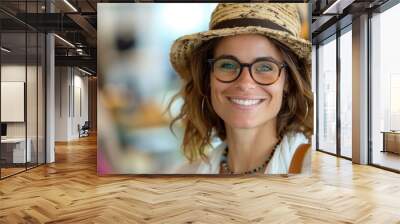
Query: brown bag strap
{"points": [[298, 158]]}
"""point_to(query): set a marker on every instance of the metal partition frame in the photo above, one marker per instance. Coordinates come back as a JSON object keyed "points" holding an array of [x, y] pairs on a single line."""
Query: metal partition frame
{"points": [[44, 75]]}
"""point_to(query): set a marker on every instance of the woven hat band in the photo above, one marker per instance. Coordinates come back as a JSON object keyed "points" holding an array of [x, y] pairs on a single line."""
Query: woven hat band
{"points": [[244, 22]]}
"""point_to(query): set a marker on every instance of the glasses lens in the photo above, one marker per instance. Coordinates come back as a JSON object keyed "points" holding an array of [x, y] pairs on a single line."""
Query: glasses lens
{"points": [[226, 69], [265, 72]]}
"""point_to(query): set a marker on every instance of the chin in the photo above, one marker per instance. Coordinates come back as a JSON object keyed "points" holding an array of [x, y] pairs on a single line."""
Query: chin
{"points": [[242, 124], [246, 122]]}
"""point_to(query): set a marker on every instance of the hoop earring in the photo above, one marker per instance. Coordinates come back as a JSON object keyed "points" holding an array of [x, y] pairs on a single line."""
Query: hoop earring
{"points": [[305, 117]]}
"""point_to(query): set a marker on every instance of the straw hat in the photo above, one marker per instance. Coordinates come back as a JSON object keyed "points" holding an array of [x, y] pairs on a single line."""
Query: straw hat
{"points": [[275, 20]]}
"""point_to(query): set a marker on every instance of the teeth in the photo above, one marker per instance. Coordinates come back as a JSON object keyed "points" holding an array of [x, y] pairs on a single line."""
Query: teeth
{"points": [[245, 102]]}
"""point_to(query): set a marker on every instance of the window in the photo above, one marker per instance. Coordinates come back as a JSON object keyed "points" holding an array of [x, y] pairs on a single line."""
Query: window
{"points": [[346, 93], [327, 96], [385, 89]]}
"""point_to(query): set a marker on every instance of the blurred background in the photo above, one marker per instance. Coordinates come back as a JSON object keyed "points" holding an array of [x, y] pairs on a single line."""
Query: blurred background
{"points": [[136, 83]]}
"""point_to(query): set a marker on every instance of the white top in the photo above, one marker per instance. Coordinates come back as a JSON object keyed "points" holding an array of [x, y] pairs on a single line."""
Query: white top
{"points": [[13, 140], [279, 163]]}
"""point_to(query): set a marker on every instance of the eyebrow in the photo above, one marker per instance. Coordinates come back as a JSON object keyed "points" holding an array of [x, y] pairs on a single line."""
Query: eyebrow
{"points": [[235, 58]]}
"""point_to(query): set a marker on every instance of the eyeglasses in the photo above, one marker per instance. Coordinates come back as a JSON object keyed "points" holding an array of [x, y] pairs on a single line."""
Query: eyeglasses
{"points": [[264, 71]]}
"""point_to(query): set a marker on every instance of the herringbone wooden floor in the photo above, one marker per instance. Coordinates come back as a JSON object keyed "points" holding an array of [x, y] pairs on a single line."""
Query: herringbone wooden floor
{"points": [[70, 191]]}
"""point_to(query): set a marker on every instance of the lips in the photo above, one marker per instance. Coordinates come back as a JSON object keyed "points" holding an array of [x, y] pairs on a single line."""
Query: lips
{"points": [[246, 102]]}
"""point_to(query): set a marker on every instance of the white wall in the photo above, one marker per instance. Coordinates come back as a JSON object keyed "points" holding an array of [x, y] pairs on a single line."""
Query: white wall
{"points": [[71, 93], [16, 73], [61, 103], [13, 101], [13, 73], [80, 105]]}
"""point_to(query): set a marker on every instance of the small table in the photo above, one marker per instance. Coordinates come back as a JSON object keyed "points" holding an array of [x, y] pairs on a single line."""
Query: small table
{"points": [[391, 141], [16, 147]]}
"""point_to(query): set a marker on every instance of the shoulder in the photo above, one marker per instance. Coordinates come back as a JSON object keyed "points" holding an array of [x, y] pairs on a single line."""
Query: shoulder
{"points": [[203, 167], [284, 152], [294, 139], [290, 142]]}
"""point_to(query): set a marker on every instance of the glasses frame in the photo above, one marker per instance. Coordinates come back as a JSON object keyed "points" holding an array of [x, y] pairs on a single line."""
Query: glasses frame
{"points": [[280, 65]]}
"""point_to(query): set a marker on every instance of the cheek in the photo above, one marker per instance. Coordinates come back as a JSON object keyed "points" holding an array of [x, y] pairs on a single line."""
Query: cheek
{"points": [[217, 88], [276, 93], [276, 97]]}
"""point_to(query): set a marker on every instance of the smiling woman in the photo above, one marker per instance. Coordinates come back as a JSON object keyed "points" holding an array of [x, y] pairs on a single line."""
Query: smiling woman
{"points": [[247, 82]]}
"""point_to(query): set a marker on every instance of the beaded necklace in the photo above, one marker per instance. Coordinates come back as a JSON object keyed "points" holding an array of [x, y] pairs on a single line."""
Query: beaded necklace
{"points": [[226, 169]]}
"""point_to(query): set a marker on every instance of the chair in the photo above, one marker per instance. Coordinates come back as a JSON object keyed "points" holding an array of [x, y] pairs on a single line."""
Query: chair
{"points": [[84, 130]]}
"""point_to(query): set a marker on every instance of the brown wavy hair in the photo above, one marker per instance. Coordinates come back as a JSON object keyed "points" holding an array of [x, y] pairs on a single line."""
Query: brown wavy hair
{"points": [[202, 123]]}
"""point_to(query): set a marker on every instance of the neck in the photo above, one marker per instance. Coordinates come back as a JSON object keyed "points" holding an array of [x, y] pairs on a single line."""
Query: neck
{"points": [[250, 148]]}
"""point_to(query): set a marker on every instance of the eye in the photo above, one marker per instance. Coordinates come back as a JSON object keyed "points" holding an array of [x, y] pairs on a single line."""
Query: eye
{"points": [[264, 67], [226, 65]]}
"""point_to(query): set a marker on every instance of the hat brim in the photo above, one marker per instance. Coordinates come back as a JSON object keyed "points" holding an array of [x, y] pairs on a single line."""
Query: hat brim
{"points": [[183, 47]]}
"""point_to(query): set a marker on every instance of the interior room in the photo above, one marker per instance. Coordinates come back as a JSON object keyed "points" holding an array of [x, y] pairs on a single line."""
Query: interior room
{"points": [[53, 114]]}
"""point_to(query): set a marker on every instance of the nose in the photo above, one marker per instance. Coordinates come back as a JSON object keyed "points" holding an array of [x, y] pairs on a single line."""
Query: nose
{"points": [[245, 81]]}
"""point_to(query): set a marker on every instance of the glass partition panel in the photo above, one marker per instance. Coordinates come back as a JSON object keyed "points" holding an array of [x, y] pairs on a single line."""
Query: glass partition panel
{"points": [[327, 96], [385, 89], [31, 98], [346, 94], [14, 152], [22, 64], [41, 98]]}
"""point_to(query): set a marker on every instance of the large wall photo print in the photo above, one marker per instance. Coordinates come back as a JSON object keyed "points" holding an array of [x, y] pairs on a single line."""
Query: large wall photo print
{"points": [[204, 88]]}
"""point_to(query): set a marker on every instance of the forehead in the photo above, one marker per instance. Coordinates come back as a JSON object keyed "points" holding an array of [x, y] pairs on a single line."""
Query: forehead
{"points": [[247, 47]]}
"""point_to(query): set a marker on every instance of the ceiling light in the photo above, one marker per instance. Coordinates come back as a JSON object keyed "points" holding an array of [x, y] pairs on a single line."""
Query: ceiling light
{"points": [[5, 50], [70, 5], [84, 71], [338, 6], [65, 41]]}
